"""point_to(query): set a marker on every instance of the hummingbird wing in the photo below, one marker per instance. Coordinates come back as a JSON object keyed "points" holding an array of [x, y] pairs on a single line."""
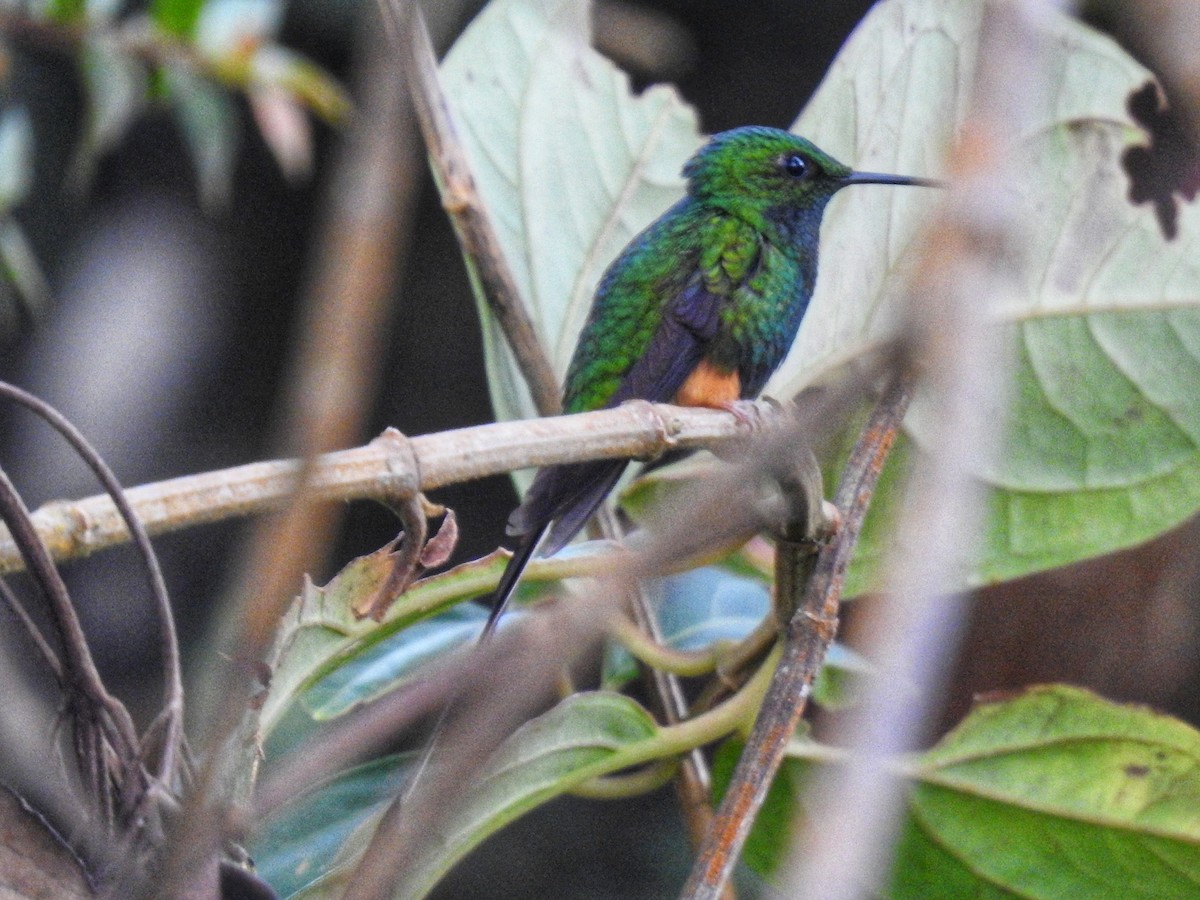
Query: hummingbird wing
{"points": [[569, 494]]}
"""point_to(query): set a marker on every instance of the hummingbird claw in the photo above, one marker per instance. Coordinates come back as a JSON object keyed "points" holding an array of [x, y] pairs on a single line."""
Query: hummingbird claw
{"points": [[748, 413]]}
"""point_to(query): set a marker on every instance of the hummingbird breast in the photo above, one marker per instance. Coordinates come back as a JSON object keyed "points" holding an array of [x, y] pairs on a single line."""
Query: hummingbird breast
{"points": [[760, 323]]}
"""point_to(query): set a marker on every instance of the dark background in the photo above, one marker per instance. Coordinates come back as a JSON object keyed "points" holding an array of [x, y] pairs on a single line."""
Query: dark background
{"points": [[175, 367]]}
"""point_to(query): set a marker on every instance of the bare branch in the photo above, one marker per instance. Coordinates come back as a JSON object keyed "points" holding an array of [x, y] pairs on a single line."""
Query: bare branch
{"points": [[461, 199], [637, 430], [39, 640], [807, 638]]}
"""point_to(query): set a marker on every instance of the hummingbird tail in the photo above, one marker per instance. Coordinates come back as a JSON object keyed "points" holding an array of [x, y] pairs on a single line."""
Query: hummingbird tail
{"points": [[560, 501], [595, 481], [508, 581]]}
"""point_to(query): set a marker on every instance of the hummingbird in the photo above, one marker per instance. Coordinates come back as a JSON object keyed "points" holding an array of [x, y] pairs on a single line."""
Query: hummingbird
{"points": [[699, 309]]}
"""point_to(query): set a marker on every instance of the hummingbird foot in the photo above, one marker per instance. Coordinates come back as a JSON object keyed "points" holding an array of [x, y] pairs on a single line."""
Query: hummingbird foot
{"points": [[747, 412]]}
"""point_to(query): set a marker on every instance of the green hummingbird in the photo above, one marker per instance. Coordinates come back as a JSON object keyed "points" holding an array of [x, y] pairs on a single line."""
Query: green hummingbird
{"points": [[699, 309]]}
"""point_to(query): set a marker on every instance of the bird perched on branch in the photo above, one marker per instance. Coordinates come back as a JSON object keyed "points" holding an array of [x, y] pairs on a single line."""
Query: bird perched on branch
{"points": [[698, 310]]}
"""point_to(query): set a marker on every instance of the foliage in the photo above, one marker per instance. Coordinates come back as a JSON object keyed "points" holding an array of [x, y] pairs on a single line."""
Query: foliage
{"points": [[1050, 792], [190, 56]]}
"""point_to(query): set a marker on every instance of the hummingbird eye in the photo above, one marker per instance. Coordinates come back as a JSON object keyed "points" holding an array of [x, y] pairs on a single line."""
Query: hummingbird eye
{"points": [[796, 165]]}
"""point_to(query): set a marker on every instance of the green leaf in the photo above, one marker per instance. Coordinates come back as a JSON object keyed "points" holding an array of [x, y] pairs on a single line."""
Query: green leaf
{"points": [[584, 736], [66, 11], [22, 271], [300, 843], [568, 161], [695, 610], [318, 628], [320, 636], [388, 664], [1056, 793]]}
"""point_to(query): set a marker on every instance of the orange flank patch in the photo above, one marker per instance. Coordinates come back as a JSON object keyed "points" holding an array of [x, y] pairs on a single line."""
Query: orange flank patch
{"points": [[709, 386]]}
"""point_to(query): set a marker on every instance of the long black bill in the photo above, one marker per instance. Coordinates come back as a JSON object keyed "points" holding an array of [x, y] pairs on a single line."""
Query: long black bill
{"points": [[879, 178]]}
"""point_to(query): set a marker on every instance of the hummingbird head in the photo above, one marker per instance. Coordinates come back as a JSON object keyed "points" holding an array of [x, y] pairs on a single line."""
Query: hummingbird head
{"points": [[767, 175]]}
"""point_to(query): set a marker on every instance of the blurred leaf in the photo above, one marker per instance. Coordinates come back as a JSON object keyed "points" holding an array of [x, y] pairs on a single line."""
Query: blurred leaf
{"points": [[102, 11], [210, 130], [299, 843], [116, 86], [284, 126], [226, 28], [568, 161], [838, 682], [65, 10], [1055, 793], [22, 270], [16, 157], [666, 484], [274, 66], [177, 17]]}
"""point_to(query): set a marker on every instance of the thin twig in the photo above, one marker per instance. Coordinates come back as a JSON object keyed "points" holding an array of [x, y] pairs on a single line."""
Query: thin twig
{"points": [[693, 781], [80, 528], [463, 203], [102, 714], [168, 637], [43, 646], [807, 638]]}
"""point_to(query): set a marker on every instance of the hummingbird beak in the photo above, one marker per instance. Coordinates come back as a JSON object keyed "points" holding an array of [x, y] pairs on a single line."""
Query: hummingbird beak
{"points": [[878, 178]]}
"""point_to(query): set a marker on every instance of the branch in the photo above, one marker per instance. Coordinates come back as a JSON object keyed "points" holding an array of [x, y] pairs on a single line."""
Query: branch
{"points": [[639, 430], [460, 198], [807, 638]]}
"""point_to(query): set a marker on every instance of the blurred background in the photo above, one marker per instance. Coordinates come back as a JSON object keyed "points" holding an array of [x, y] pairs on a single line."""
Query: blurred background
{"points": [[171, 321]]}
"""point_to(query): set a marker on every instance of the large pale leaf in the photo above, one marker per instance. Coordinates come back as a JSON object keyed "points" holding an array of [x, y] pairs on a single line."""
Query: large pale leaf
{"points": [[1104, 440], [569, 162]]}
